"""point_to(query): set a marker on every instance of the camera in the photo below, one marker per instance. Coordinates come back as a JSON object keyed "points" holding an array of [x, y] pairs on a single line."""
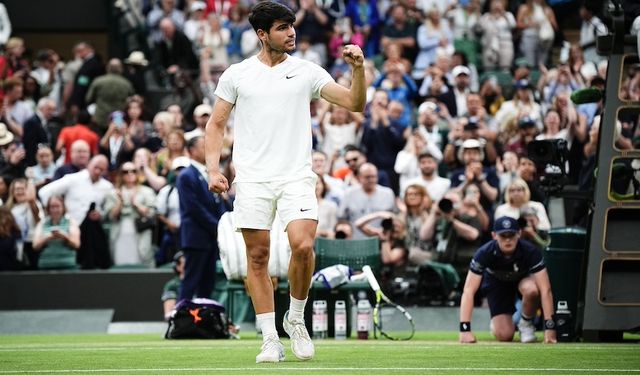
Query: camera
{"points": [[548, 151], [340, 235], [522, 222], [445, 205], [387, 224]]}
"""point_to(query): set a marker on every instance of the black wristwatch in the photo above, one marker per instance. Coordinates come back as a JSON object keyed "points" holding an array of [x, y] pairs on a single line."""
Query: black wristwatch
{"points": [[549, 324]]}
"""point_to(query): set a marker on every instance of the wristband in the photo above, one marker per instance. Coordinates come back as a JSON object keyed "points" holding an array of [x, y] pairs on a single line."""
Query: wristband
{"points": [[465, 326], [549, 324]]}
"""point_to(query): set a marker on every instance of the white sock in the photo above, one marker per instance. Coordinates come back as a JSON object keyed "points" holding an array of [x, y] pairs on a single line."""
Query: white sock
{"points": [[296, 308], [267, 324]]}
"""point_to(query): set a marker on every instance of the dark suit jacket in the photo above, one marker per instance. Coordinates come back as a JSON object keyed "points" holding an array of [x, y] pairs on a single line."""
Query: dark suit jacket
{"points": [[181, 53], [34, 133], [200, 211], [90, 69]]}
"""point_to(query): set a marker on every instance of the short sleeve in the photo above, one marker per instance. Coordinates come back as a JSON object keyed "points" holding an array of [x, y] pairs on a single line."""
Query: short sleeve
{"points": [[320, 78], [479, 261], [226, 89], [536, 261]]}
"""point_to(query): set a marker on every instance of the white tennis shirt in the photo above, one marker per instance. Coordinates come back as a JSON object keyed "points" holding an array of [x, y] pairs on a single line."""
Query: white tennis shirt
{"points": [[272, 121]]}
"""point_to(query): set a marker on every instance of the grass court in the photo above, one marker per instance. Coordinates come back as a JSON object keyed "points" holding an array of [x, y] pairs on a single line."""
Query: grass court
{"points": [[432, 353]]}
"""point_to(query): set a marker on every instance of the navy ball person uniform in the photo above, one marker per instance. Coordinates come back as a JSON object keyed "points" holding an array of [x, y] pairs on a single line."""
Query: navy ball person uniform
{"points": [[501, 274]]}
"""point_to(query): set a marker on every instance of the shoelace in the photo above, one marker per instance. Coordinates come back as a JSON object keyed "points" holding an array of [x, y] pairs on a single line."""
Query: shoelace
{"points": [[271, 343], [300, 331]]}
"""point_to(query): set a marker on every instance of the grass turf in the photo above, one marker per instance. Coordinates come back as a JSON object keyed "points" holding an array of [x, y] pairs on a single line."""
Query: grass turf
{"points": [[433, 353]]}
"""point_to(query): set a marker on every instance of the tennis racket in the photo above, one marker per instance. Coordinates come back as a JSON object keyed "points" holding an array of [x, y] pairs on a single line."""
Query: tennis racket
{"points": [[389, 319]]}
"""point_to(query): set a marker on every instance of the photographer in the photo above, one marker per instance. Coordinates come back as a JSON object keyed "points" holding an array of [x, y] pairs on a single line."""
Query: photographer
{"points": [[517, 199], [392, 231], [474, 173]]}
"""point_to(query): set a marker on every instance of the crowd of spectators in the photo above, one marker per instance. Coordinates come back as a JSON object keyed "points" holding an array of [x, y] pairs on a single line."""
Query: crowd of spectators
{"points": [[456, 92]]}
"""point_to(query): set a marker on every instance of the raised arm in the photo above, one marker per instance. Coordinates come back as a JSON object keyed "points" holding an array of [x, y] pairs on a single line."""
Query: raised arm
{"points": [[353, 98]]}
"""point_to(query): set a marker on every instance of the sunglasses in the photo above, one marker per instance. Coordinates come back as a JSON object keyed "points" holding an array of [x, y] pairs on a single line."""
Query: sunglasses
{"points": [[125, 171], [351, 160]]}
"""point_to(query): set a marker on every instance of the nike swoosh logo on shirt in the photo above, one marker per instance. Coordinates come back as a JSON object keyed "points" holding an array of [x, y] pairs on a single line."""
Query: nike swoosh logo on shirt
{"points": [[289, 77], [304, 209]]}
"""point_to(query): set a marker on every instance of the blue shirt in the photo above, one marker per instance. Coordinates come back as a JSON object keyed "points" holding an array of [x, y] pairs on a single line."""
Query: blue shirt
{"points": [[496, 267]]}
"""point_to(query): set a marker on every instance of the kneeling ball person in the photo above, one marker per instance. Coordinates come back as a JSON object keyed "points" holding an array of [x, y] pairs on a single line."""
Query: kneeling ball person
{"points": [[503, 269]]}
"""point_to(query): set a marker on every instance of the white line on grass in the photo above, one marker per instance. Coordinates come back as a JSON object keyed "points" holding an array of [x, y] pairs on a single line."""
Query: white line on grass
{"points": [[324, 369]]}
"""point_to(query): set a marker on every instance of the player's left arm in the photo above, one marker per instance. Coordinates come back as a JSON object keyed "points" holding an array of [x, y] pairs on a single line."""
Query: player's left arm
{"points": [[546, 297], [353, 98]]}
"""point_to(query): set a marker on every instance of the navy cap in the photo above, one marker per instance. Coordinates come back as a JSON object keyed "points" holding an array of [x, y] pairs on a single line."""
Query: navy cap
{"points": [[505, 224]]}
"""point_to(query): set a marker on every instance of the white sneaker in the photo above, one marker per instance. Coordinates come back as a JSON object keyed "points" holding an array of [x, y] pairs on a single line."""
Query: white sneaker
{"points": [[527, 331], [271, 351], [301, 343]]}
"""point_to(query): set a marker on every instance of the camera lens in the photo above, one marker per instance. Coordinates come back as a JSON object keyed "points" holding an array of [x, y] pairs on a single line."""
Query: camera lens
{"points": [[445, 205], [340, 235], [387, 224]]}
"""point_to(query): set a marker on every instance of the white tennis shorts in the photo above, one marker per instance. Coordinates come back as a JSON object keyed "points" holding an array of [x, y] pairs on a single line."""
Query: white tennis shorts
{"points": [[256, 203]]}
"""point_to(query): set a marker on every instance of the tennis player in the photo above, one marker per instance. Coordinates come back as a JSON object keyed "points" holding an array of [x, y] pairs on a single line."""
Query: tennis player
{"points": [[271, 93], [504, 268]]}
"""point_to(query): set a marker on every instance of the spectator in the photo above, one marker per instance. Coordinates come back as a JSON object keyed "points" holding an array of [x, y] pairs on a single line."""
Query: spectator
{"points": [[176, 147], [174, 52], [496, 27], [517, 199], [10, 235], [367, 198], [135, 71], [79, 159], [312, 21], [80, 131], [164, 9], [28, 212], [57, 237], [196, 24], [366, 19], [592, 27], [335, 190], [42, 173], [507, 168], [37, 129], [338, 127], [343, 34], [327, 210], [5, 181], [5, 25], [418, 204], [15, 111], [184, 96], [461, 89], [304, 51], [527, 172], [522, 104], [399, 30], [538, 24], [464, 23], [200, 211], [433, 35], [526, 133], [429, 125], [407, 163], [48, 74], [491, 93], [84, 197], [168, 210], [12, 163], [436, 185], [140, 130], [201, 115], [171, 290], [391, 233], [237, 25], [144, 162], [90, 69], [131, 204], [163, 122], [473, 173], [383, 137], [214, 43], [116, 144], [109, 92], [501, 269], [355, 158], [13, 63], [399, 87]]}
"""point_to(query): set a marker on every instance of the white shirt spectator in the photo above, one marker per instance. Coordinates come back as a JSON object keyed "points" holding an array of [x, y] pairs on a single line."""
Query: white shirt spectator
{"points": [[79, 192], [168, 204], [436, 188]]}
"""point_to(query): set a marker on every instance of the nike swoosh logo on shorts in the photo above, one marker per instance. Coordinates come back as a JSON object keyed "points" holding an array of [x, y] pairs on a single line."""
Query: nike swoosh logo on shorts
{"points": [[289, 77], [304, 209]]}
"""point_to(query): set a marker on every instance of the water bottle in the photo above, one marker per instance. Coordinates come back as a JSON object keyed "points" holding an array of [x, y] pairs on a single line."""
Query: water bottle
{"points": [[340, 320], [319, 319], [564, 322], [363, 319]]}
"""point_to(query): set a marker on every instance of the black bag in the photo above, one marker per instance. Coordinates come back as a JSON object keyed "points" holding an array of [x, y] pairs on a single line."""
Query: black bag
{"points": [[204, 319], [145, 223]]}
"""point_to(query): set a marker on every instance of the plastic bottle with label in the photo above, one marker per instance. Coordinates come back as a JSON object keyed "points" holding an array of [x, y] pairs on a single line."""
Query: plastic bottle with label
{"points": [[319, 319], [363, 319], [340, 320]]}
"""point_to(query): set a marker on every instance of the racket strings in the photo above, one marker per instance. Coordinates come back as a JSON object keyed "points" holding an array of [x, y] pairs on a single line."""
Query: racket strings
{"points": [[393, 322]]}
